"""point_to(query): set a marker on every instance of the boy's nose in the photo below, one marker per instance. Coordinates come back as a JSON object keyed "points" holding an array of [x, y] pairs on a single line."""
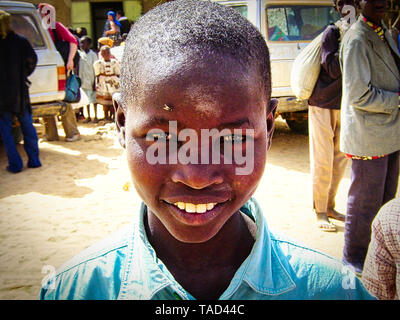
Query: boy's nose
{"points": [[197, 176]]}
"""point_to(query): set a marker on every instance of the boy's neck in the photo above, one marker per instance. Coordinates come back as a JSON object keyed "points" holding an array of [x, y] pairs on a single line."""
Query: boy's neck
{"points": [[204, 269]]}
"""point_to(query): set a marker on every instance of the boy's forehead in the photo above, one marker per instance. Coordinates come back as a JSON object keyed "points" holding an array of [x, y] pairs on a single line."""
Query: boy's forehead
{"points": [[199, 108], [209, 90]]}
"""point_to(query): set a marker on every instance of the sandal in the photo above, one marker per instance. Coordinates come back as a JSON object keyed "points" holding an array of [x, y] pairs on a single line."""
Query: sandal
{"points": [[324, 224]]}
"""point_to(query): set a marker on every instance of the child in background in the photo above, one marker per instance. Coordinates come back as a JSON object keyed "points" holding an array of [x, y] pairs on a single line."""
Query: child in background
{"points": [[107, 72], [104, 41], [86, 72]]}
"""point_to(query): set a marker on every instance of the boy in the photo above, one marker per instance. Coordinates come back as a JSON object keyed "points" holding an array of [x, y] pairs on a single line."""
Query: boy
{"points": [[370, 132], [327, 162], [107, 71], [86, 72], [198, 233]]}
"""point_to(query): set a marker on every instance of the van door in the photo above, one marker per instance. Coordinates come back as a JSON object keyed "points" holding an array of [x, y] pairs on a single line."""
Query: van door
{"points": [[289, 28], [44, 80]]}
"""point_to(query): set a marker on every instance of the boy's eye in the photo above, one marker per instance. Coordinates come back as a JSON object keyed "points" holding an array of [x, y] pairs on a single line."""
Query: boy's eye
{"points": [[234, 138], [161, 136]]}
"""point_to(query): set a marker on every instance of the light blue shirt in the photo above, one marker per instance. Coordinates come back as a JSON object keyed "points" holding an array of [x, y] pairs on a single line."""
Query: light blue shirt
{"points": [[125, 266]]}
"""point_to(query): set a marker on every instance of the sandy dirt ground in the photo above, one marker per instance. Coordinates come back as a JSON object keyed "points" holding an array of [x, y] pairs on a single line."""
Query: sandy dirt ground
{"points": [[79, 196]]}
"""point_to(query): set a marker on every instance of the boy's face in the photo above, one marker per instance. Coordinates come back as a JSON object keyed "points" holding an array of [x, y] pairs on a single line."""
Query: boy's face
{"points": [[106, 54], [84, 45], [198, 98], [373, 10]]}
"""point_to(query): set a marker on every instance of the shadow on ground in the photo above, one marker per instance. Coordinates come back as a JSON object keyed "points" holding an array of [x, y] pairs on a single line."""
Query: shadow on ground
{"points": [[65, 163]]}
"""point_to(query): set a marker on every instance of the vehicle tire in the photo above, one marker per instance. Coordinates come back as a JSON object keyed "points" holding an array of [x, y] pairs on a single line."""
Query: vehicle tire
{"points": [[298, 126]]}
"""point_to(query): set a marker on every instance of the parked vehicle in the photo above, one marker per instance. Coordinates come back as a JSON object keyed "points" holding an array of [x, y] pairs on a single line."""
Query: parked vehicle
{"points": [[287, 26], [48, 80]]}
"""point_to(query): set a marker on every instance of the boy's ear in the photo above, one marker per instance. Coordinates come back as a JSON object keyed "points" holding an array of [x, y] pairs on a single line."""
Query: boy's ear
{"points": [[271, 111], [119, 118]]}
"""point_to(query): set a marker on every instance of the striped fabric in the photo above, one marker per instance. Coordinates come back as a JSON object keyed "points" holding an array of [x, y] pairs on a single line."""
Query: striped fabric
{"points": [[364, 157]]}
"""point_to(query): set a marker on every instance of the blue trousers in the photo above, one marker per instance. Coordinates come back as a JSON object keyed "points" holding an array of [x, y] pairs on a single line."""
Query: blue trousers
{"points": [[31, 146], [373, 183]]}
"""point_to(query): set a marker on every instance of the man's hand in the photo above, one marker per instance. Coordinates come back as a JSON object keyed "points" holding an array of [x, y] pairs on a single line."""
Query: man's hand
{"points": [[70, 64]]}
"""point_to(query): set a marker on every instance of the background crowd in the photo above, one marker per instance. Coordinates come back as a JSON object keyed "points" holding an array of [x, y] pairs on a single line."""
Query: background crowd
{"points": [[354, 116]]}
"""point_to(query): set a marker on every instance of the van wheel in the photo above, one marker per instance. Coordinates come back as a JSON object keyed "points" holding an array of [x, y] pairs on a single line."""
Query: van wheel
{"points": [[298, 126]]}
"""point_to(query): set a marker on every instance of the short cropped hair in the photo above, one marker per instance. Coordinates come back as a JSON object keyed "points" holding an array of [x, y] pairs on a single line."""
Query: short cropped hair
{"points": [[105, 48], [87, 39], [190, 30]]}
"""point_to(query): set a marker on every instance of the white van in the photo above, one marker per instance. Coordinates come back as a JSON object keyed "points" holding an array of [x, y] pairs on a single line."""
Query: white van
{"points": [[48, 80], [287, 26]]}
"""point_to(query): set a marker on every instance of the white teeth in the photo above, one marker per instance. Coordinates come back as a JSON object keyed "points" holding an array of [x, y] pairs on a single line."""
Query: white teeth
{"points": [[190, 207], [195, 208], [201, 208], [180, 205], [210, 206]]}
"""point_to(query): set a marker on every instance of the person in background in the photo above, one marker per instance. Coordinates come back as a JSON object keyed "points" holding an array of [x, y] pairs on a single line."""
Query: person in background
{"points": [[394, 31], [78, 112], [63, 34], [327, 162], [114, 32], [118, 51], [381, 273], [81, 32], [86, 72], [74, 33], [17, 61], [124, 36], [107, 71], [104, 41], [125, 23], [370, 131], [68, 120]]}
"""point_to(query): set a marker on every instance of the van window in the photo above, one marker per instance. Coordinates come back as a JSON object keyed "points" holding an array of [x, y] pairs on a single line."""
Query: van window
{"points": [[241, 9], [296, 23], [24, 25]]}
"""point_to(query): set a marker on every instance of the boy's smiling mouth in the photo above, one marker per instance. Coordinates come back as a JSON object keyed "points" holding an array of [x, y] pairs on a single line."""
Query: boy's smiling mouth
{"points": [[197, 213], [195, 208]]}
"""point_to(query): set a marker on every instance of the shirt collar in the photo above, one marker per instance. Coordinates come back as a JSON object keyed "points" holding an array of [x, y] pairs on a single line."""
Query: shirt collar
{"points": [[145, 275], [263, 269]]}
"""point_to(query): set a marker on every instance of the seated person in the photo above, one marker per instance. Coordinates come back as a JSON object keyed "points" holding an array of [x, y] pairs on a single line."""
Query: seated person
{"points": [[192, 67]]}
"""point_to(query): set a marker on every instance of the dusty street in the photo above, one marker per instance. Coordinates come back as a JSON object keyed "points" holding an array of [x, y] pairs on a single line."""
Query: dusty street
{"points": [[77, 197]]}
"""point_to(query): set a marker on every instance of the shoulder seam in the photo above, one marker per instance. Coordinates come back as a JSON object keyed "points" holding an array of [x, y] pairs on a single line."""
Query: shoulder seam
{"points": [[303, 247], [93, 256]]}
